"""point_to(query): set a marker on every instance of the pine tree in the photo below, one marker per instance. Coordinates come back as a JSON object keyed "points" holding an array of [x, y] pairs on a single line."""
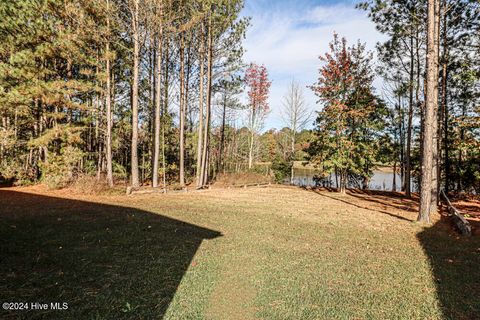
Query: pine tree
{"points": [[430, 112]]}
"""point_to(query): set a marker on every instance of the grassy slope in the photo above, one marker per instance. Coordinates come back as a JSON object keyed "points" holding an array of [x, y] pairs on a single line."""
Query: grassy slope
{"points": [[283, 253]]}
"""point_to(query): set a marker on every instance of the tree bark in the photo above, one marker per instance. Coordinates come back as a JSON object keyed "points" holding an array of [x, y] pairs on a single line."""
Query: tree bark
{"points": [[292, 146], [336, 178], [394, 183], [206, 137], [156, 148], [401, 130], [444, 106], [108, 107], [165, 113], [182, 112], [410, 117], [250, 149], [435, 147], [343, 182], [136, 62], [430, 115], [200, 111], [222, 133], [251, 141]]}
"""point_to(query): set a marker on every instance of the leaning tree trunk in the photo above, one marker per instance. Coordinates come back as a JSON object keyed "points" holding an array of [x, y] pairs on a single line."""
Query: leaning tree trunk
{"points": [[430, 116]]}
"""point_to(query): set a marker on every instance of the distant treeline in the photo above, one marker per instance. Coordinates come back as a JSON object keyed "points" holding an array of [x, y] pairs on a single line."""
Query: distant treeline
{"points": [[149, 91]]}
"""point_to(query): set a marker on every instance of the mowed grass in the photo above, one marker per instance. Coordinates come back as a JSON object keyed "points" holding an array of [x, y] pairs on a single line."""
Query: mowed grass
{"points": [[268, 253]]}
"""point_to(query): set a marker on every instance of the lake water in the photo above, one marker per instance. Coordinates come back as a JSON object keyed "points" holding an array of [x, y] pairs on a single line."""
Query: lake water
{"points": [[379, 181]]}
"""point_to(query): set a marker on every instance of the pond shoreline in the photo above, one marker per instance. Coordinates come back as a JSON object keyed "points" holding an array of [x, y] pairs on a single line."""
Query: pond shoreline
{"points": [[381, 180]]}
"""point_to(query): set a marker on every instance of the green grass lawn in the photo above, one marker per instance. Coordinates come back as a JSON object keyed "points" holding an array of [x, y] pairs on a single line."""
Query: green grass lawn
{"points": [[272, 253]]}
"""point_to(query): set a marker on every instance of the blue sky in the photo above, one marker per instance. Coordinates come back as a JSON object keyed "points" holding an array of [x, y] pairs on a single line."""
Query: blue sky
{"points": [[288, 37]]}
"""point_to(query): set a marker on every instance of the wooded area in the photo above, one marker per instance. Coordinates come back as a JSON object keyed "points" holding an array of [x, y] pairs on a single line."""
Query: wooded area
{"points": [[150, 92], [120, 89], [359, 200], [423, 36]]}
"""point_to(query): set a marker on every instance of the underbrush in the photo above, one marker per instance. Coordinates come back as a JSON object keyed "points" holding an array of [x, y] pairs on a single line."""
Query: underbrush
{"points": [[87, 184], [231, 179]]}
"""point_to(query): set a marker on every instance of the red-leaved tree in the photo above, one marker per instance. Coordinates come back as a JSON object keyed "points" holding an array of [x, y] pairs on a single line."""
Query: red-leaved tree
{"points": [[350, 114], [256, 78]]}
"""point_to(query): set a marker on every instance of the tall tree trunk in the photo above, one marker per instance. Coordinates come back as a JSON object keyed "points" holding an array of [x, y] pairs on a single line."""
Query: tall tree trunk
{"points": [[136, 62], [152, 70], [108, 105], [222, 134], [430, 115], [15, 128], [343, 181], [408, 153], [292, 146], [188, 110], [460, 153], [394, 183], [250, 149], [336, 178], [251, 141], [98, 118], [401, 129], [186, 106], [200, 110], [165, 113], [182, 112], [156, 148], [435, 124], [206, 137], [419, 77], [444, 106]]}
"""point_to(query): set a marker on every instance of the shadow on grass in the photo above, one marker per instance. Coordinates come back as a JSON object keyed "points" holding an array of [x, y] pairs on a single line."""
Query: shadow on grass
{"points": [[454, 260], [356, 205], [105, 261], [395, 200], [455, 263]]}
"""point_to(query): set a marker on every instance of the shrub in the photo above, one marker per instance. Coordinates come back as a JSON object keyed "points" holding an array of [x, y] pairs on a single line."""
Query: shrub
{"points": [[119, 171], [281, 169], [241, 178], [61, 170], [88, 184], [14, 171]]}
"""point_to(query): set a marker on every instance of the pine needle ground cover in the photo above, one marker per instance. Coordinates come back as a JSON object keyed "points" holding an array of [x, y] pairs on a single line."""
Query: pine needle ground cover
{"points": [[267, 253]]}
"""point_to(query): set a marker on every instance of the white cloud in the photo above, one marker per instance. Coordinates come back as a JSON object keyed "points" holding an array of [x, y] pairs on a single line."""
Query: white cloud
{"points": [[289, 39]]}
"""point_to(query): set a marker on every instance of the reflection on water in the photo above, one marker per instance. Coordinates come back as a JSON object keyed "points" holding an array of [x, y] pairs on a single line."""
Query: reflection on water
{"points": [[379, 181]]}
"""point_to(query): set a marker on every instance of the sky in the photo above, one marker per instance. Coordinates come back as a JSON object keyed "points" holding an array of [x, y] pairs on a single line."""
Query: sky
{"points": [[289, 36]]}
